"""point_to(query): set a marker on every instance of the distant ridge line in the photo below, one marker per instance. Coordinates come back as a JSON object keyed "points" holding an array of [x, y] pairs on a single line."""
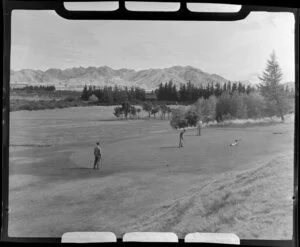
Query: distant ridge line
{"points": [[77, 77]]}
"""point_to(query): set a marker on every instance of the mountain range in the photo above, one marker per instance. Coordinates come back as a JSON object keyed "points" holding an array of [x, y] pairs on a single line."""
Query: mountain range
{"points": [[76, 78]]}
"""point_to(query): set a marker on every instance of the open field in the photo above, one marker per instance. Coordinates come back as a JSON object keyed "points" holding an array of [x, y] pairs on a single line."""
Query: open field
{"points": [[146, 182]]}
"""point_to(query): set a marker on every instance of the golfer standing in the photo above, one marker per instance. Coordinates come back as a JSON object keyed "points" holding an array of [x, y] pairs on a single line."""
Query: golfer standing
{"points": [[199, 127], [97, 154], [181, 138]]}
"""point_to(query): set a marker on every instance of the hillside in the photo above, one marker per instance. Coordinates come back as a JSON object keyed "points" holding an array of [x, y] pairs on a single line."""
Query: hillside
{"points": [[76, 78]]}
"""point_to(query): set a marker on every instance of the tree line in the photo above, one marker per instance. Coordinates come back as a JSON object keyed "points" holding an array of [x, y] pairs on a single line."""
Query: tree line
{"points": [[235, 101], [127, 110], [36, 88], [190, 92], [114, 95], [231, 100], [269, 99]]}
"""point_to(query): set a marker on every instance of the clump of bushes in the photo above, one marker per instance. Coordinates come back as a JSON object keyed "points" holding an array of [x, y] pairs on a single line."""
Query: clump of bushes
{"points": [[182, 118], [153, 109], [17, 105], [70, 99], [126, 110]]}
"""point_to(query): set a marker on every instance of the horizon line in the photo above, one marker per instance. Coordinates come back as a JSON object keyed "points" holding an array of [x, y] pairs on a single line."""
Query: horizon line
{"points": [[111, 67]]}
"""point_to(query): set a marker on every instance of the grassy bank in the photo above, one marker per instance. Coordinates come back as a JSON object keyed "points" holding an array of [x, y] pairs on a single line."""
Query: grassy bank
{"points": [[256, 203]]}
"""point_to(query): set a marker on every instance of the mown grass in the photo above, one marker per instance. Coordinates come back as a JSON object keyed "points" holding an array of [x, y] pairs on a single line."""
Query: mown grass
{"points": [[254, 204]]}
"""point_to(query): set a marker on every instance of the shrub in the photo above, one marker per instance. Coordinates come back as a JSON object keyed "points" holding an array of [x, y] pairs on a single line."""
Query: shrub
{"points": [[154, 110], [126, 108], [169, 111], [224, 106], [178, 118], [27, 107], [132, 111], [200, 106], [239, 101], [70, 99], [192, 117], [163, 110], [138, 110], [93, 98], [210, 107], [227, 116], [147, 107], [255, 105], [118, 111], [183, 124]]}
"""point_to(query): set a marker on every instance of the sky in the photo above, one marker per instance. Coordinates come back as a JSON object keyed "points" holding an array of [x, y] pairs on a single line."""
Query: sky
{"points": [[236, 50]]}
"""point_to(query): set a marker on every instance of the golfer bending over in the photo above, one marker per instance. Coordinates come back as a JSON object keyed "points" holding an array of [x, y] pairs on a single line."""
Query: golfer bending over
{"points": [[97, 153], [181, 138]]}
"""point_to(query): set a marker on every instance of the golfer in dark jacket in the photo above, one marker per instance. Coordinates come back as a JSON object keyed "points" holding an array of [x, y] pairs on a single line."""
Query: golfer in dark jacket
{"points": [[97, 153], [181, 138]]}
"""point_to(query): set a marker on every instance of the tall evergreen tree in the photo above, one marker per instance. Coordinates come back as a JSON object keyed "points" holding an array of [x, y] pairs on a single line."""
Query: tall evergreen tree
{"points": [[90, 90], [174, 93], [248, 89], [224, 87], [240, 87], [212, 89], [85, 95], [229, 86], [218, 89], [234, 87], [182, 93], [160, 92], [271, 88], [207, 91]]}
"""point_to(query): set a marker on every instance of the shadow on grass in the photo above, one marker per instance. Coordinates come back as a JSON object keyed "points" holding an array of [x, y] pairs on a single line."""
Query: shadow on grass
{"points": [[78, 168], [86, 173], [30, 145], [119, 119]]}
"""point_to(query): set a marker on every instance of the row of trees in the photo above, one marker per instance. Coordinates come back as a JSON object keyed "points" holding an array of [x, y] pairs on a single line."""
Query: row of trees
{"points": [[127, 110], [225, 107], [190, 92], [36, 88], [114, 95], [153, 109], [182, 118], [270, 99], [241, 106], [231, 106], [232, 100]]}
